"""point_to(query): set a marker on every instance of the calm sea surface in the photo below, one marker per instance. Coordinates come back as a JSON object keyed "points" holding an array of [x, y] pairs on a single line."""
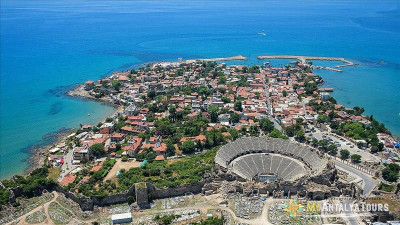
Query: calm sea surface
{"points": [[48, 46]]}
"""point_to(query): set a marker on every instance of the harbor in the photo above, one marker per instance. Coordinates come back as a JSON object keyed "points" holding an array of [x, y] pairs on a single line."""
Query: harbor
{"points": [[304, 59]]}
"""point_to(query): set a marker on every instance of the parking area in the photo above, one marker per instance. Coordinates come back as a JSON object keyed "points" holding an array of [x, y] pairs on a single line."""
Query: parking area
{"points": [[343, 143]]}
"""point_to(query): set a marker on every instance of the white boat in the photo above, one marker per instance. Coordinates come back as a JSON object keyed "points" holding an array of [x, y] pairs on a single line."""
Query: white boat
{"points": [[262, 33]]}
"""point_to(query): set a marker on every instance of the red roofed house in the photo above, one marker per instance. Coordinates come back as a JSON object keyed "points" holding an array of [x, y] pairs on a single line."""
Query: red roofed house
{"points": [[127, 130], [160, 158], [160, 149], [118, 137], [68, 179], [89, 85]]}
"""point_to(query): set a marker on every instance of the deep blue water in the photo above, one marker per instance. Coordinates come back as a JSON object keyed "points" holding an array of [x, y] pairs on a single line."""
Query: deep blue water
{"points": [[47, 46]]}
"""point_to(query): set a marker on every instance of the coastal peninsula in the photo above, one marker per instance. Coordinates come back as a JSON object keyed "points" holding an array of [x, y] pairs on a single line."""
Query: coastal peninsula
{"points": [[197, 141]]}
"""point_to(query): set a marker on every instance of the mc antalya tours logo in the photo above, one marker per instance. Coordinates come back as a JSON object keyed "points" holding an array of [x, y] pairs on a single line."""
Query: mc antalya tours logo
{"points": [[292, 208]]}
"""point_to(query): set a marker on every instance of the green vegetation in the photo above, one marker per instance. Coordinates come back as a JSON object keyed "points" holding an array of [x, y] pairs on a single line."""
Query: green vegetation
{"points": [[332, 149], [54, 173], [188, 147], [165, 220], [344, 154], [296, 130], [266, 125], [238, 105], [147, 154], [97, 150], [4, 196], [275, 133], [386, 187], [189, 170], [391, 172], [356, 158], [210, 221], [32, 185], [95, 185]]}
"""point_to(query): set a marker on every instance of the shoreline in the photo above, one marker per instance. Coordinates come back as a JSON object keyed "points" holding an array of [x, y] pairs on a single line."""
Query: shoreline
{"points": [[40, 153]]}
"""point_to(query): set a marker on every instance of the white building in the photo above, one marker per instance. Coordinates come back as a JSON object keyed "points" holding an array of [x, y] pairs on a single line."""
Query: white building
{"points": [[121, 218]]}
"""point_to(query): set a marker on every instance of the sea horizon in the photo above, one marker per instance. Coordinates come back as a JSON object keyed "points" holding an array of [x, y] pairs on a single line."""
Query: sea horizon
{"points": [[47, 49]]}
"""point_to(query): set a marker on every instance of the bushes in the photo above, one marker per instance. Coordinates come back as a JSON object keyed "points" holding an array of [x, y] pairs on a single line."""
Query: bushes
{"points": [[188, 146], [97, 150], [97, 177], [344, 154], [385, 187], [391, 172], [4, 196], [189, 170], [356, 158], [275, 133], [210, 221], [33, 184]]}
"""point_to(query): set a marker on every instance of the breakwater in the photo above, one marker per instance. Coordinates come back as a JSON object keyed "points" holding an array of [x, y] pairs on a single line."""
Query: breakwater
{"points": [[303, 59], [232, 58]]}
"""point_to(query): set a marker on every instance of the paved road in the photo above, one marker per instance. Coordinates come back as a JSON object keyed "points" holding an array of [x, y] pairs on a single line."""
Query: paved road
{"points": [[67, 167], [368, 182], [269, 109]]}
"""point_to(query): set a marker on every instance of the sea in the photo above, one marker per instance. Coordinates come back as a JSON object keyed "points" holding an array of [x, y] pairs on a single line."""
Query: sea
{"points": [[47, 47]]}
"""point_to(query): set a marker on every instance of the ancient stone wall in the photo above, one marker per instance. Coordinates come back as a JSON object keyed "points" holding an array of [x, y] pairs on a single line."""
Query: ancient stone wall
{"points": [[178, 191]]}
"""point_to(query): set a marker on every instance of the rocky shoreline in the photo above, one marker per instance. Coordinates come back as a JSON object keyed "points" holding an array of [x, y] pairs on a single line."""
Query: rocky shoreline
{"points": [[80, 92], [39, 154]]}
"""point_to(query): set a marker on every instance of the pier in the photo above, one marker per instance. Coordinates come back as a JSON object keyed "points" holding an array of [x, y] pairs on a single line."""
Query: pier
{"points": [[232, 58], [303, 60]]}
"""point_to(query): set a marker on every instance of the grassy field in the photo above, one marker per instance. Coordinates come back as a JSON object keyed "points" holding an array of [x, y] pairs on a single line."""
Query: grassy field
{"points": [[54, 173]]}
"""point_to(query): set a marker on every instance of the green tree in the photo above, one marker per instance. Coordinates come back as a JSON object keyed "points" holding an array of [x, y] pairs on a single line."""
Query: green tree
{"points": [[4, 196], [344, 154], [151, 94], [323, 144], [235, 118], [97, 150], [356, 158], [322, 118], [116, 85], [238, 105], [332, 149], [213, 110], [188, 146], [225, 99], [275, 133], [266, 125], [391, 172], [234, 134], [170, 147], [300, 135]]}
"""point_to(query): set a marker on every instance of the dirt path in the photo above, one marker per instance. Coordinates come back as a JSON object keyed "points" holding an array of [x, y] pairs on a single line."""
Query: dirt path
{"points": [[21, 219], [261, 220]]}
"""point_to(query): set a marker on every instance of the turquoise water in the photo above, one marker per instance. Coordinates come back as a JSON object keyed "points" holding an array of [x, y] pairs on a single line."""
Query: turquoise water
{"points": [[47, 46]]}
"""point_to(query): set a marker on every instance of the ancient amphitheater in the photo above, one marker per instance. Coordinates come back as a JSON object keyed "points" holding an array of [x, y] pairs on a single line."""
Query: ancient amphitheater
{"points": [[283, 159]]}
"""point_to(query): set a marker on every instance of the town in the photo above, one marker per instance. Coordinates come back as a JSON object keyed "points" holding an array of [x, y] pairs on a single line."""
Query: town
{"points": [[169, 145]]}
